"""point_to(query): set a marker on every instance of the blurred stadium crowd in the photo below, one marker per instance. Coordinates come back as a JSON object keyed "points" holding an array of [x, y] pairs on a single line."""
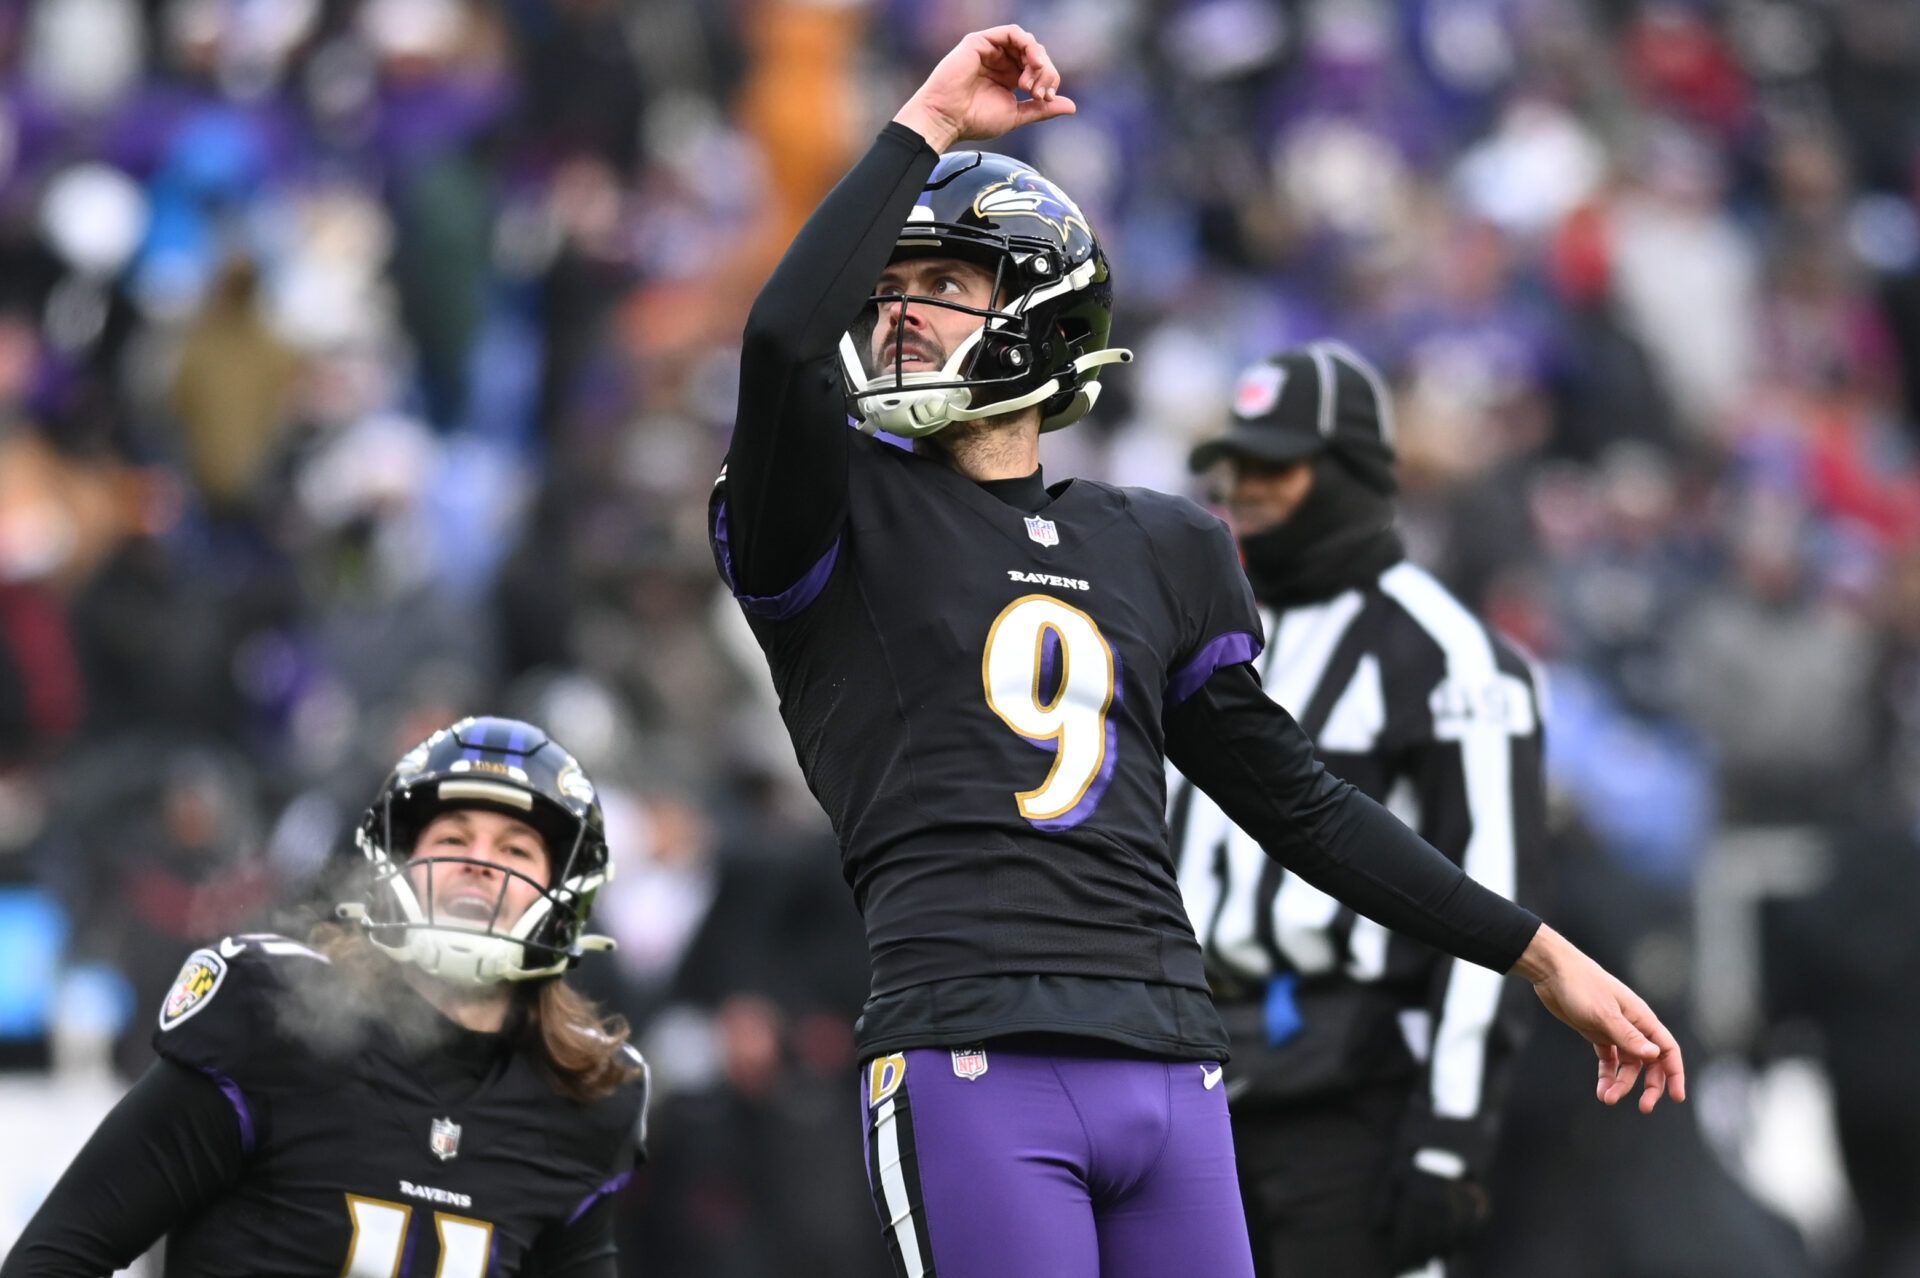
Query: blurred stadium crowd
{"points": [[365, 363]]}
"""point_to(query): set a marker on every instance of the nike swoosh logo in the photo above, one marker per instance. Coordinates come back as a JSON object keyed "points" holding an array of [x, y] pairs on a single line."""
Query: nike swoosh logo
{"points": [[1210, 1078], [230, 948]]}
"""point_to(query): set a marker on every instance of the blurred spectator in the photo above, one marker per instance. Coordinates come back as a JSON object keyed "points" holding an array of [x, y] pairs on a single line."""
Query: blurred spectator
{"points": [[1779, 678], [1686, 275], [1608, 391], [174, 847], [233, 390]]}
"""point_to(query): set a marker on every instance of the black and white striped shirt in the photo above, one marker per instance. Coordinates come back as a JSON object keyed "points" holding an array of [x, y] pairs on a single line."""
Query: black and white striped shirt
{"points": [[1412, 699]]}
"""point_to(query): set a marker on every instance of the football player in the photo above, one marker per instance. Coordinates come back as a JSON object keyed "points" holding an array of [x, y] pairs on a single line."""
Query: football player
{"points": [[983, 676], [415, 1090]]}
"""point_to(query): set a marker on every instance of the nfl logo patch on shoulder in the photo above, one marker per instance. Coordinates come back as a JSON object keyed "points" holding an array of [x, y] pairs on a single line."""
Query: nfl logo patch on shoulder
{"points": [[1042, 531], [969, 1062], [444, 1139]]}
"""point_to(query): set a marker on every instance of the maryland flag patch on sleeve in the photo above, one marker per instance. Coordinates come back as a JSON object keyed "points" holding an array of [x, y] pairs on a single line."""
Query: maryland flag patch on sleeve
{"points": [[194, 988]]}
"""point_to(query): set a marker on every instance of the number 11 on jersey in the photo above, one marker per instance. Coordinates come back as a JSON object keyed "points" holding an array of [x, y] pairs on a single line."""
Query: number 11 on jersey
{"points": [[1051, 677], [380, 1233]]}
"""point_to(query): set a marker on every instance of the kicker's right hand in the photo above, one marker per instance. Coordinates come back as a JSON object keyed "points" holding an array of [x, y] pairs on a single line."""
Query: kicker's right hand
{"points": [[1626, 1036], [973, 94]]}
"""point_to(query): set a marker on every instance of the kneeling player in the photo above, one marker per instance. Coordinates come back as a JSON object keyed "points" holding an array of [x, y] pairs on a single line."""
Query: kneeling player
{"points": [[419, 1091]]}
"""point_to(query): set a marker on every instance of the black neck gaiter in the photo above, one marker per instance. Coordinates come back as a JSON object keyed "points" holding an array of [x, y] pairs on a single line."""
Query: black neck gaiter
{"points": [[1340, 537]]}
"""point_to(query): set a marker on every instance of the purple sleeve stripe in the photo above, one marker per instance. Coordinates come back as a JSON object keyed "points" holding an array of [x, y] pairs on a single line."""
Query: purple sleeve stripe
{"points": [[613, 1186], [1230, 649], [238, 1099], [792, 601]]}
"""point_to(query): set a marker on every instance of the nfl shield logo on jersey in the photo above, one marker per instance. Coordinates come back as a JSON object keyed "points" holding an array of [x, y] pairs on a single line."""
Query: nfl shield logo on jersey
{"points": [[444, 1140], [1042, 531], [970, 1062]]}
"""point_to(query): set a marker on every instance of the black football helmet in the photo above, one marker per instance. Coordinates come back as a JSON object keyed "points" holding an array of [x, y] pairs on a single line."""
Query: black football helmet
{"points": [[1043, 340], [506, 766]]}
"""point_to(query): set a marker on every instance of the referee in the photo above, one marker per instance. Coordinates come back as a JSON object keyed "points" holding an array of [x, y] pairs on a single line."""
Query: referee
{"points": [[1367, 1068]]}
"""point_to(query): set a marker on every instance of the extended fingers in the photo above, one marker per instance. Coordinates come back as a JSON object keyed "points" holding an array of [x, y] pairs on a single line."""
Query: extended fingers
{"points": [[1666, 1066], [1044, 108], [1635, 1040], [1014, 49], [1674, 1069], [1656, 1088], [1626, 1072], [1041, 77]]}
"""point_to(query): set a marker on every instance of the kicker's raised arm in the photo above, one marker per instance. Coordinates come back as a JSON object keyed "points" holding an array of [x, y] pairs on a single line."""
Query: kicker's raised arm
{"points": [[786, 484], [785, 494]]}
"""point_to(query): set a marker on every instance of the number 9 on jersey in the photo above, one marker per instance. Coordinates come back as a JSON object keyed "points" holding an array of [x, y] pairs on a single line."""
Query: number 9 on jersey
{"points": [[1050, 675]]}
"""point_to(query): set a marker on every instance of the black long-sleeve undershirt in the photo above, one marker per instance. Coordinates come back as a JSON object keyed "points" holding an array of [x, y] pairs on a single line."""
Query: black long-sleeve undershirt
{"points": [[171, 1146], [1248, 754], [787, 466]]}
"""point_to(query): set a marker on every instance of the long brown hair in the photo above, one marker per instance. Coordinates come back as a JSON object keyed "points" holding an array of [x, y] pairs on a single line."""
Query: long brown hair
{"points": [[584, 1050]]}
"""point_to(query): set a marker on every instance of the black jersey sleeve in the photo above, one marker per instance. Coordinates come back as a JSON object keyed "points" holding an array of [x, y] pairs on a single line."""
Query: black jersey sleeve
{"points": [[1250, 756], [581, 1248], [612, 1135], [1220, 623], [171, 1145], [782, 500]]}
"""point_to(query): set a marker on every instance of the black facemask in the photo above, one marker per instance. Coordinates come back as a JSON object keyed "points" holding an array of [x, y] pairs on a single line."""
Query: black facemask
{"points": [[1340, 537]]}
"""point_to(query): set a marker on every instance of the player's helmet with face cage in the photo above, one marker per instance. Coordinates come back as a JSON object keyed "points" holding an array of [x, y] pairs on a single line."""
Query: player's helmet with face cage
{"points": [[1043, 336], [505, 766]]}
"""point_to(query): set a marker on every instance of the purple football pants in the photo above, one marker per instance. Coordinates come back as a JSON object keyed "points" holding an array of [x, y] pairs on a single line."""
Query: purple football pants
{"points": [[1007, 1163]]}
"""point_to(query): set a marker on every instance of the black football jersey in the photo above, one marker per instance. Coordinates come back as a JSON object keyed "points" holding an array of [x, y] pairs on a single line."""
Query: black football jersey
{"points": [[981, 680], [975, 695], [377, 1145]]}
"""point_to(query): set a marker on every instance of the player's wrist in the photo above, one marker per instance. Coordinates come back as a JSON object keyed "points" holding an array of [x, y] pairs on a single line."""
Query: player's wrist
{"points": [[1545, 956], [938, 129]]}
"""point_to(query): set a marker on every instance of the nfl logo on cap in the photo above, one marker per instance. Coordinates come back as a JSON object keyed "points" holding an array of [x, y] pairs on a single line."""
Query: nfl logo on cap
{"points": [[1042, 531], [970, 1062], [1259, 390], [444, 1139]]}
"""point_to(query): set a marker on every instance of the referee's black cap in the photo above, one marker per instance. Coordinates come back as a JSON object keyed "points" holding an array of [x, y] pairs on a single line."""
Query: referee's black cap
{"points": [[1313, 398]]}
